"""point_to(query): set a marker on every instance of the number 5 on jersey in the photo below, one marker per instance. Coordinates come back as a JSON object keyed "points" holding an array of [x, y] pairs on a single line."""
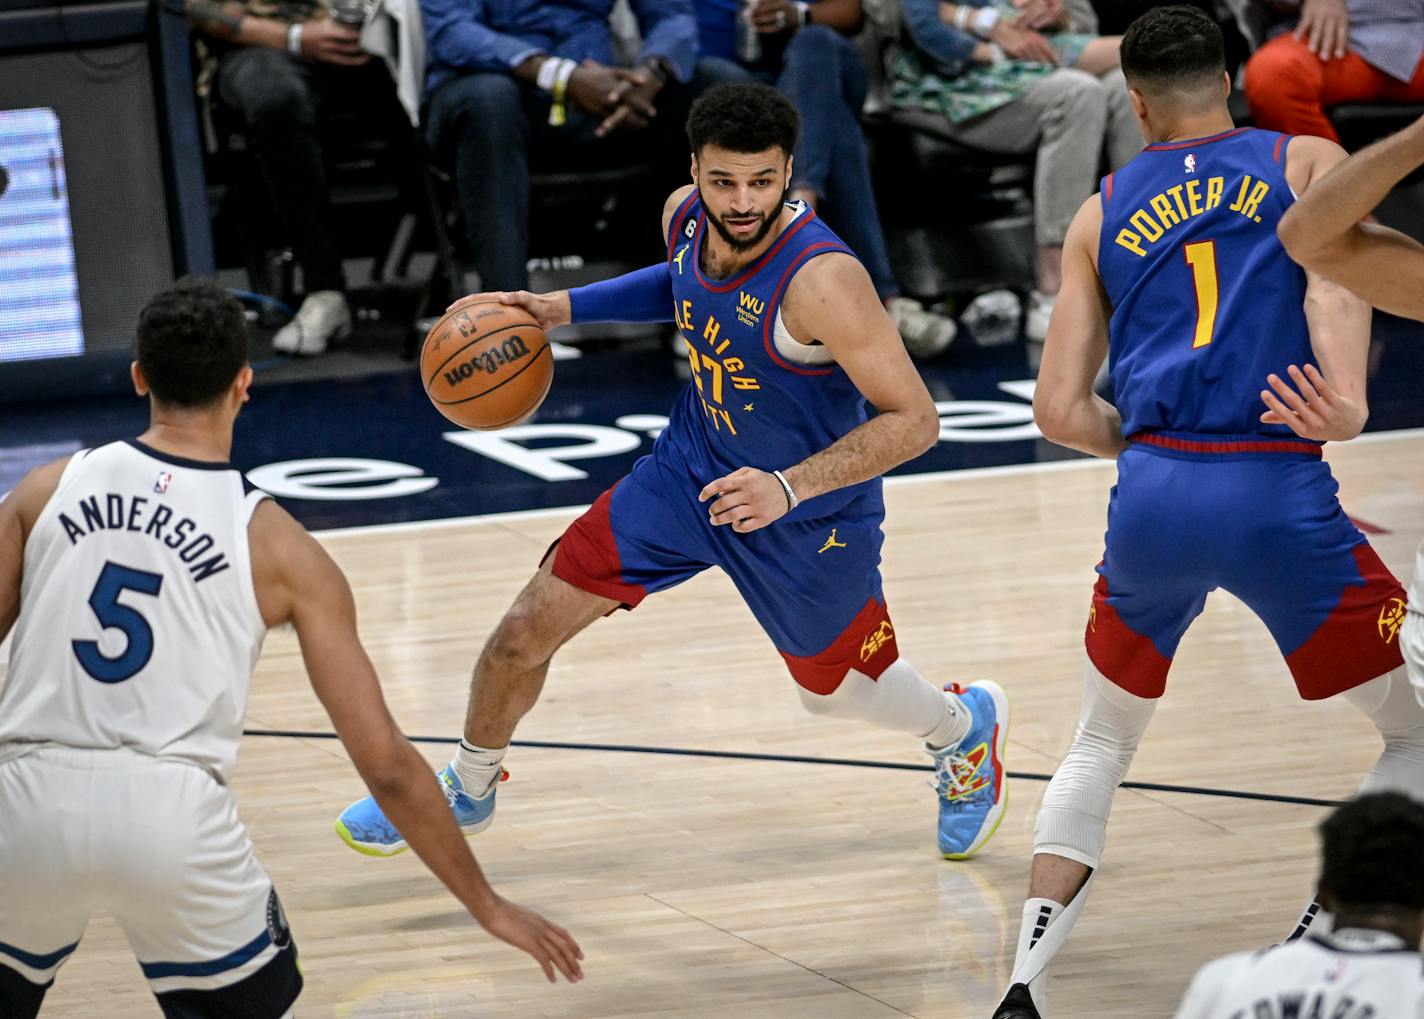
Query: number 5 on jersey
{"points": [[113, 581], [1201, 256]]}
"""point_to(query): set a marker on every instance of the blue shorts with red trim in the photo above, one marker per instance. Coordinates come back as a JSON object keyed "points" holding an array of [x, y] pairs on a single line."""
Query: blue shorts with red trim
{"points": [[1257, 517], [813, 585]]}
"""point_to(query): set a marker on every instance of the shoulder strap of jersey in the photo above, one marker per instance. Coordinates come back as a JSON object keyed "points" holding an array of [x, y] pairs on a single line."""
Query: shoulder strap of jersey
{"points": [[683, 224]]}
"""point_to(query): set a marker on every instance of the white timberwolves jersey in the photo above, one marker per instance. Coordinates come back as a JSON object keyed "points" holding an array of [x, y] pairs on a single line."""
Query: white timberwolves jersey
{"points": [[139, 624], [1351, 974]]}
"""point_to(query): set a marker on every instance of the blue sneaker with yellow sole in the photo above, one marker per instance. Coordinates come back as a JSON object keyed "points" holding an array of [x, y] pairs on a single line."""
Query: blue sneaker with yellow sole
{"points": [[365, 828], [969, 776]]}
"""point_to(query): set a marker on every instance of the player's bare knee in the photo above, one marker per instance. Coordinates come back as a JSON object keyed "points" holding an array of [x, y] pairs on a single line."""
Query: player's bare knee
{"points": [[519, 642]]}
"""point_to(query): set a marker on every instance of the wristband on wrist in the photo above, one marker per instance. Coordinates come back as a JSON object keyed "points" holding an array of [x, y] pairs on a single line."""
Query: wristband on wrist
{"points": [[549, 73], [963, 15], [791, 500], [985, 21], [294, 39], [803, 13]]}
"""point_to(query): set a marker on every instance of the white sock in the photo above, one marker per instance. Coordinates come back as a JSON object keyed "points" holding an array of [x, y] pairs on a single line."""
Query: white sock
{"points": [[478, 767], [1038, 916], [953, 724]]}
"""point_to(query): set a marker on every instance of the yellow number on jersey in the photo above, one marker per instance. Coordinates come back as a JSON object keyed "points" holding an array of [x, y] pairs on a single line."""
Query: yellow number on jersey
{"points": [[1201, 256]]}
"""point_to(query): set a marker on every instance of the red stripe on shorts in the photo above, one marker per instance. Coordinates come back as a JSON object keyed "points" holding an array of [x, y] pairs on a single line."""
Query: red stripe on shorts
{"points": [[587, 556], [1359, 640], [1119, 652], [867, 645], [1250, 446]]}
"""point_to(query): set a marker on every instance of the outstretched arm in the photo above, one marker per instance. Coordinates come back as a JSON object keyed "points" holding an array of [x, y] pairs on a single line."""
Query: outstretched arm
{"points": [[1323, 232], [832, 300], [298, 582], [1065, 408]]}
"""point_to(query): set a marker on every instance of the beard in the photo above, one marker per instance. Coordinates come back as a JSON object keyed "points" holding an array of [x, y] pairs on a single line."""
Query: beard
{"points": [[740, 245]]}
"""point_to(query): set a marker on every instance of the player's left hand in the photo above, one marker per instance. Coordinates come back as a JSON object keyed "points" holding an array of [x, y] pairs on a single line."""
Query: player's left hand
{"points": [[748, 499], [1312, 409]]}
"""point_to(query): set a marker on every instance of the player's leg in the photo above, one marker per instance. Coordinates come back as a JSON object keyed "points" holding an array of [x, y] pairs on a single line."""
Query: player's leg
{"points": [[1149, 590], [180, 876], [44, 881], [1335, 611], [630, 543], [814, 586]]}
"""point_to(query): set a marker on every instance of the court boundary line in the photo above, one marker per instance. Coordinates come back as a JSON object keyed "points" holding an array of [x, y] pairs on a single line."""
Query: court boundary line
{"points": [[897, 480], [845, 762]]}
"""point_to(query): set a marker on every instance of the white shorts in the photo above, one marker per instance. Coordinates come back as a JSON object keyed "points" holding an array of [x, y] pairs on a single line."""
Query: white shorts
{"points": [[156, 843], [1411, 642]]}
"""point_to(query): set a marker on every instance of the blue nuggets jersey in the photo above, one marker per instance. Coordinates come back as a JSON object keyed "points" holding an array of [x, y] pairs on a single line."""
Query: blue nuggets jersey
{"points": [[1206, 302], [750, 405]]}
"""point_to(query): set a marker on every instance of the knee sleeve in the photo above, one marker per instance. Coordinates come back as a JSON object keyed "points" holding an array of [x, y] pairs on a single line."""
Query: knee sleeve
{"points": [[900, 699], [1390, 703], [1073, 820]]}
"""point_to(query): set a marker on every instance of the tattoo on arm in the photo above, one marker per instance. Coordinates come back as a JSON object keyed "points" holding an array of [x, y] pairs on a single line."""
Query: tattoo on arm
{"points": [[221, 20]]}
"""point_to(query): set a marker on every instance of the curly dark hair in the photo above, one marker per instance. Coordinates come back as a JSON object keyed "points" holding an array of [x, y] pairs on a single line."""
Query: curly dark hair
{"points": [[743, 118], [1370, 848], [192, 342], [1173, 47]]}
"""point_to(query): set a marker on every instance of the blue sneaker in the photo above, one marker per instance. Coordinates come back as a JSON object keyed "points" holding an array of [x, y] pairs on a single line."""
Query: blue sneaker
{"points": [[363, 825], [969, 776]]}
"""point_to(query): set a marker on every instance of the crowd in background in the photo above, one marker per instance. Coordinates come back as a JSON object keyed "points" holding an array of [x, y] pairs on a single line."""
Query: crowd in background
{"points": [[503, 87]]}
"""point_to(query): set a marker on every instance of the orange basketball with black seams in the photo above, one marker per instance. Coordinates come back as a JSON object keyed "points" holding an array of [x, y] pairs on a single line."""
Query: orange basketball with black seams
{"points": [[486, 365]]}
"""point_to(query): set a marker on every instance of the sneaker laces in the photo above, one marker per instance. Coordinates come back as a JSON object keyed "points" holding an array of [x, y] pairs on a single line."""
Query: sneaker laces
{"points": [[954, 777]]}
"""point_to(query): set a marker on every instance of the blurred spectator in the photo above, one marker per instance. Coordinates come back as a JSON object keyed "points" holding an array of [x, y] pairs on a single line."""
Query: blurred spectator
{"points": [[1361, 955], [505, 78], [1318, 53], [278, 63], [1017, 78], [806, 54]]}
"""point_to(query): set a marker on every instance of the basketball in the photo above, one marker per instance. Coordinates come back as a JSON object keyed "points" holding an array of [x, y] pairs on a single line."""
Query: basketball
{"points": [[486, 365]]}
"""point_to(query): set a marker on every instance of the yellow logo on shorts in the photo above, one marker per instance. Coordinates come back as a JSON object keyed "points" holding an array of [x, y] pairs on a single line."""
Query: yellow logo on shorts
{"points": [[873, 642], [831, 543], [1391, 618], [1093, 617]]}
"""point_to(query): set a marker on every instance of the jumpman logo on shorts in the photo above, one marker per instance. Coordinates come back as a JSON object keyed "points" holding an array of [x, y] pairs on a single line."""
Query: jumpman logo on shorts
{"points": [[831, 543]]}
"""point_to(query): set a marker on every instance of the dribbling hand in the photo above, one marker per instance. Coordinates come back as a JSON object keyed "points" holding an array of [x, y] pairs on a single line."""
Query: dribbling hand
{"points": [[551, 946], [549, 310], [1312, 409], [748, 499]]}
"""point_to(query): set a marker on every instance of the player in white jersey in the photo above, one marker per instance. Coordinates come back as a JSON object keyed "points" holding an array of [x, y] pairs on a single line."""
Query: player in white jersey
{"points": [[1326, 233], [1369, 967], [139, 579]]}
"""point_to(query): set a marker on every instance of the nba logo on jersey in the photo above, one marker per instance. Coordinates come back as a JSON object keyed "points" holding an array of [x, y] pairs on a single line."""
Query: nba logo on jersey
{"points": [[165, 478], [1190, 162]]}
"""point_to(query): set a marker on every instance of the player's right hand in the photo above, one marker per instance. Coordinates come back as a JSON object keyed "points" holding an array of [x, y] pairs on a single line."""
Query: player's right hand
{"points": [[549, 310], [550, 945], [333, 43]]}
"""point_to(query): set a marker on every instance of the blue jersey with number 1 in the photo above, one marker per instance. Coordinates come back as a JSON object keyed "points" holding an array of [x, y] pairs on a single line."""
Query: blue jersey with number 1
{"points": [[1206, 302]]}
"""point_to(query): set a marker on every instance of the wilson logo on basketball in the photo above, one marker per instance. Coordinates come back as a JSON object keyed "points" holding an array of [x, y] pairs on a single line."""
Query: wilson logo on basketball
{"points": [[489, 361], [1391, 618], [873, 642]]}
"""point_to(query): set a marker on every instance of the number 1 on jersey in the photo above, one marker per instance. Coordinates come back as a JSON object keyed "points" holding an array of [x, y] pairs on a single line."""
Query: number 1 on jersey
{"points": [[1201, 256]]}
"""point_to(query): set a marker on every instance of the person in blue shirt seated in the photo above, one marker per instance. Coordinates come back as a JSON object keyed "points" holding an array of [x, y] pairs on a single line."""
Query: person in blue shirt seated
{"points": [[509, 78], [807, 55]]}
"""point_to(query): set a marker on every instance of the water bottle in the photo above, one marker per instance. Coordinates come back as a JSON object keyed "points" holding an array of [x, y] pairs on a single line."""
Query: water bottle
{"points": [[748, 38], [351, 12], [994, 318]]}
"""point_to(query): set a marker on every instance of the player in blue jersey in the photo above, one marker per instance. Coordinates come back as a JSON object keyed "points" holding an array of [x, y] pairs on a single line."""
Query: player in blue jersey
{"points": [[1174, 272], [768, 468]]}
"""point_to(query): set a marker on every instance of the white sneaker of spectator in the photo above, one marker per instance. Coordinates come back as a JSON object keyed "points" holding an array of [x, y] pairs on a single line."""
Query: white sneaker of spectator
{"points": [[926, 333], [1040, 310], [322, 317]]}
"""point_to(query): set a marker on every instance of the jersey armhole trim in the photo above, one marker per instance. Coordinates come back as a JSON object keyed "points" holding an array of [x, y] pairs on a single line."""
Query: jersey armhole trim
{"points": [[675, 224], [806, 254]]}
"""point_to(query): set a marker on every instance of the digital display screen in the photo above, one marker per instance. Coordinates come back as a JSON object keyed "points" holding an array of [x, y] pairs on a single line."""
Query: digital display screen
{"points": [[39, 288]]}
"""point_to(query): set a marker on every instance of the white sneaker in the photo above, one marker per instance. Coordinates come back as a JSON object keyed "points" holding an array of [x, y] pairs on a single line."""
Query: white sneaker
{"points": [[926, 333], [323, 316], [1040, 310]]}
